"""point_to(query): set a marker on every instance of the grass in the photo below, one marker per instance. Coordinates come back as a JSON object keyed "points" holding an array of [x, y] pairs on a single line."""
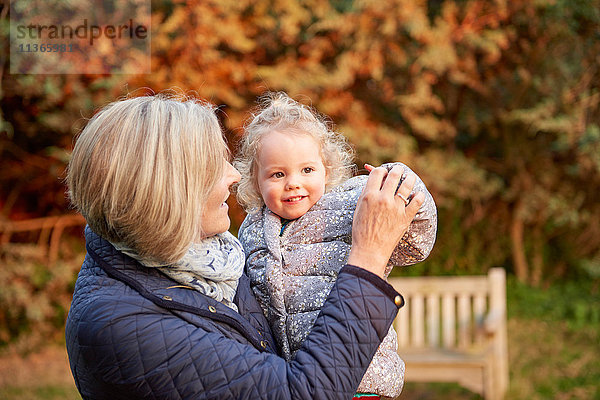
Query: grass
{"points": [[554, 341], [550, 360], [554, 351], [62, 392]]}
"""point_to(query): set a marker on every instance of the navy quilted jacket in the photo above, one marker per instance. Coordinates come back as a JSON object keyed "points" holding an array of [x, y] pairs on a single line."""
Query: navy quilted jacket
{"points": [[132, 333]]}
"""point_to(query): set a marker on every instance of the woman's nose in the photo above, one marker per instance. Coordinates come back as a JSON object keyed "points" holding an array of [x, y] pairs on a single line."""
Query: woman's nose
{"points": [[233, 174]]}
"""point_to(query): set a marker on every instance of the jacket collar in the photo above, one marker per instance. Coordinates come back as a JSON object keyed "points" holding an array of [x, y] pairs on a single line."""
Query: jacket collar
{"points": [[163, 291]]}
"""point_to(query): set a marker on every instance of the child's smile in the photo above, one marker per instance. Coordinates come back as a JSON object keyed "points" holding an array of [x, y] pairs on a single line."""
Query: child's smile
{"points": [[295, 199]]}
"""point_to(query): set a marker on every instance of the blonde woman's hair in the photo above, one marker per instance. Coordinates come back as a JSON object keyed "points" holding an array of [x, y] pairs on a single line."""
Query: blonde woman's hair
{"points": [[142, 169], [277, 111]]}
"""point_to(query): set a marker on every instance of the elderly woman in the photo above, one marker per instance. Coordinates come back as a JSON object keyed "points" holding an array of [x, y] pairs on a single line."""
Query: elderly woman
{"points": [[162, 308]]}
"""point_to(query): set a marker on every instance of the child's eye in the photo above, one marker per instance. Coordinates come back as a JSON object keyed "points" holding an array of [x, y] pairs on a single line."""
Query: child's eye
{"points": [[308, 170], [278, 175]]}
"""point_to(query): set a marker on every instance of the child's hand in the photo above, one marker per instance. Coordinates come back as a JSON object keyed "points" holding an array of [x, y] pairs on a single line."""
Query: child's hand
{"points": [[382, 217]]}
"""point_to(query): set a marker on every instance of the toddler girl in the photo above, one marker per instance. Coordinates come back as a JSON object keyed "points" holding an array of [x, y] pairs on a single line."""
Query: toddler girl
{"points": [[297, 188]]}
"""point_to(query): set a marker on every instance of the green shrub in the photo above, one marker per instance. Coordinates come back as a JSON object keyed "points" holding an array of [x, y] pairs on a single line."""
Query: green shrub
{"points": [[575, 302], [34, 300]]}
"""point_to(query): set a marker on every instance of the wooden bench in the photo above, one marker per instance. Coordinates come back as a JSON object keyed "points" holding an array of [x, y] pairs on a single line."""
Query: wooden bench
{"points": [[453, 329]]}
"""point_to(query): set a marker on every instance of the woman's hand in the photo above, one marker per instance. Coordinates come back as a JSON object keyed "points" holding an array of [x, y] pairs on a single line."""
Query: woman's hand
{"points": [[382, 218]]}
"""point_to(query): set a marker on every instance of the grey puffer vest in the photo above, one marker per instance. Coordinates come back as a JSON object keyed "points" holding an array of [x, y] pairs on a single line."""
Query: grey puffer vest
{"points": [[292, 271]]}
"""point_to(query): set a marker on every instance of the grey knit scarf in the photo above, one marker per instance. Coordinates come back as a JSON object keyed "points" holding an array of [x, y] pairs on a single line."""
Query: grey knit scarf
{"points": [[212, 267]]}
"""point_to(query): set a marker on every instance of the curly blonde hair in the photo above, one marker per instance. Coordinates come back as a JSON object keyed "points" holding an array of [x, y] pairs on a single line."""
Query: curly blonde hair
{"points": [[277, 111]]}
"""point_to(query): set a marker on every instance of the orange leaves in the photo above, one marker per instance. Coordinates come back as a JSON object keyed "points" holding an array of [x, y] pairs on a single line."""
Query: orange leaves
{"points": [[473, 93]]}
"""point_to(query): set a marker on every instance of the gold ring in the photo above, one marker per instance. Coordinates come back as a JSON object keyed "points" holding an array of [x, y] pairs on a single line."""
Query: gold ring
{"points": [[403, 198]]}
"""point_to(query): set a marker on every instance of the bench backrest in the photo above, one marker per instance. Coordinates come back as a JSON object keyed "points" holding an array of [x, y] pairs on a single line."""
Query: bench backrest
{"points": [[450, 312]]}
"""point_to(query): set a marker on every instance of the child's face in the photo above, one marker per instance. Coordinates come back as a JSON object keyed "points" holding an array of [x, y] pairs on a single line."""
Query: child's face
{"points": [[291, 174]]}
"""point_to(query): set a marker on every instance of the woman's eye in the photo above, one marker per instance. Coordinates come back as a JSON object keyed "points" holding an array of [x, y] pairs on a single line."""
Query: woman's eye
{"points": [[307, 170], [278, 175]]}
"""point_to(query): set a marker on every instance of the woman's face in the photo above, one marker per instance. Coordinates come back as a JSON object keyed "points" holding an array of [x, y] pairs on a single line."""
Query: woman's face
{"points": [[214, 217]]}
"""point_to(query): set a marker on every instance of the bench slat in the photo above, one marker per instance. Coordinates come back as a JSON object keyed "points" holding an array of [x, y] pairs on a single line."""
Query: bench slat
{"points": [[433, 320], [479, 316], [464, 321], [417, 312], [401, 325], [449, 320]]}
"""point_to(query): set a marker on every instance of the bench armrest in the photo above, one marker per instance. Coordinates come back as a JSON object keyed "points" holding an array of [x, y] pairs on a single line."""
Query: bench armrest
{"points": [[493, 322]]}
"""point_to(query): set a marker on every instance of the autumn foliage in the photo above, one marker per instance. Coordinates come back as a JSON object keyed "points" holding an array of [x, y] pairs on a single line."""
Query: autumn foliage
{"points": [[495, 103]]}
